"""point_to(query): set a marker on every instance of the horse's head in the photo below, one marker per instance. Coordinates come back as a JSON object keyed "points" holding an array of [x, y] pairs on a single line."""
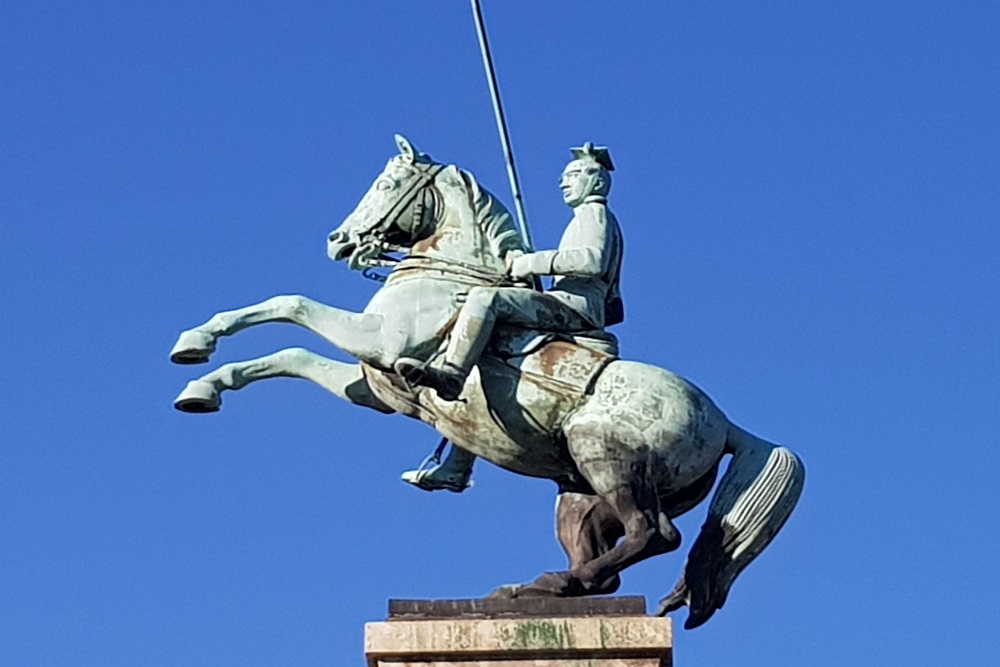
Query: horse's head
{"points": [[433, 209], [396, 212]]}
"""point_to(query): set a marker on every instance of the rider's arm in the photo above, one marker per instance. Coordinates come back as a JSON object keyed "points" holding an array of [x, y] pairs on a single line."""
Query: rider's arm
{"points": [[585, 249]]}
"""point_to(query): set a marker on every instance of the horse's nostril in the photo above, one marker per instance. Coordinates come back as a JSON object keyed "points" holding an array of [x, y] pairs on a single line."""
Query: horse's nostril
{"points": [[339, 251]]}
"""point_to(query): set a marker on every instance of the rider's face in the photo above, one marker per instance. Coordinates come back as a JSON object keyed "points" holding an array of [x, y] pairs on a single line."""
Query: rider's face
{"points": [[579, 179]]}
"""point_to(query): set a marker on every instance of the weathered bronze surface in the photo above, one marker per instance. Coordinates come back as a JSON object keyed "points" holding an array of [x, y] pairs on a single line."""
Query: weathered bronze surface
{"points": [[631, 445]]}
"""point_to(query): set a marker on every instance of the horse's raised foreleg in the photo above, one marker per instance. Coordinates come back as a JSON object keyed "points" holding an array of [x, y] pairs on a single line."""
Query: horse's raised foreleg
{"points": [[343, 380], [364, 336]]}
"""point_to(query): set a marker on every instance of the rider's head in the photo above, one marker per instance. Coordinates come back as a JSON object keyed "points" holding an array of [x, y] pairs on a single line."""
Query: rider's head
{"points": [[588, 174]]}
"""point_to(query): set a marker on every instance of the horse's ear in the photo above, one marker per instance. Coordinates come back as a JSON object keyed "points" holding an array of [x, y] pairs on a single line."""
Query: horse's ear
{"points": [[406, 149]]}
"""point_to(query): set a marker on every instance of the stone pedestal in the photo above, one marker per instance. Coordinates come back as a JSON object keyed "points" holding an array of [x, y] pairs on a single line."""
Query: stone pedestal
{"points": [[600, 632]]}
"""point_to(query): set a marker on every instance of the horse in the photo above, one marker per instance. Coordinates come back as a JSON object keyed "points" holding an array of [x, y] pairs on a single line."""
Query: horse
{"points": [[630, 445]]}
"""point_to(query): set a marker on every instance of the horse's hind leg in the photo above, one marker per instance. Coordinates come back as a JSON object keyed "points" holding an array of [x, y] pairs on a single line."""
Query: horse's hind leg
{"points": [[362, 335], [343, 380], [587, 527], [622, 479]]}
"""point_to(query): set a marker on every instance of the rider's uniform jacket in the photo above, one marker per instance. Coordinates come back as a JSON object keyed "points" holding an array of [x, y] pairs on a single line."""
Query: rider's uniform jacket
{"points": [[586, 265]]}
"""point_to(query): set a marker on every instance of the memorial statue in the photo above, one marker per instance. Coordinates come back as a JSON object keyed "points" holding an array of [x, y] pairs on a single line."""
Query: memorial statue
{"points": [[631, 446], [584, 297]]}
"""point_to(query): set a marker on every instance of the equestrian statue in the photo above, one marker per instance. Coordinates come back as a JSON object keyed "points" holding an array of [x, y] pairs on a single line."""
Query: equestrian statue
{"points": [[460, 338]]}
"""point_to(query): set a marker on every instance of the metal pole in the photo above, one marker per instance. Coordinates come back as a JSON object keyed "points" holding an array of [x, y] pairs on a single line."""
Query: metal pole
{"points": [[484, 47]]}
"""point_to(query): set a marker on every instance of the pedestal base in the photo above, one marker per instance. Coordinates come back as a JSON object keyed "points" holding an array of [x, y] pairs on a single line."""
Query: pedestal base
{"points": [[601, 632]]}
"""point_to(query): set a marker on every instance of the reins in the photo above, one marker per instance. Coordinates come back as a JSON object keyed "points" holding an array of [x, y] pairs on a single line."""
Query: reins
{"points": [[450, 269], [446, 267]]}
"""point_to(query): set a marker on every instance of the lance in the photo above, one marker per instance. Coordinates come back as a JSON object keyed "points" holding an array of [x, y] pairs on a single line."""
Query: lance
{"points": [[491, 77]]}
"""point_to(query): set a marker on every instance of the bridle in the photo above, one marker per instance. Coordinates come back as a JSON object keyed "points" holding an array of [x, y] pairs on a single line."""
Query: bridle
{"points": [[425, 175], [372, 254]]}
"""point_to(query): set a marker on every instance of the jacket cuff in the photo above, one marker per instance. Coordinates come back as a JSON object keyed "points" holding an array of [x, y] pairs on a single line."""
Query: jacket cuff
{"points": [[533, 264]]}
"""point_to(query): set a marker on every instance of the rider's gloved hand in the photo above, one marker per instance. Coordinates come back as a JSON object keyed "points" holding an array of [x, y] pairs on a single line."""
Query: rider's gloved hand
{"points": [[509, 259], [522, 266]]}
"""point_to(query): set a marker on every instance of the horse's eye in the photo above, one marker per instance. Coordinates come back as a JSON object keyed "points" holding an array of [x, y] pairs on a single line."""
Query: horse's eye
{"points": [[384, 185]]}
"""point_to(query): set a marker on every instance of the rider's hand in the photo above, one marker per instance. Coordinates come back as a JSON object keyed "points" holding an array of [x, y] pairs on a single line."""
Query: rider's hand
{"points": [[508, 261], [527, 266]]}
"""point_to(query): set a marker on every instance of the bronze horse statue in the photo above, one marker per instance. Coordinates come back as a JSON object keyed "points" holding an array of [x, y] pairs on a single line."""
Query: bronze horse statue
{"points": [[630, 445]]}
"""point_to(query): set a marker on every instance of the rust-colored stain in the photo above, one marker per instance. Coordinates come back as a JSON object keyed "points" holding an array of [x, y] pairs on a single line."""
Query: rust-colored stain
{"points": [[429, 243], [553, 353], [446, 327]]}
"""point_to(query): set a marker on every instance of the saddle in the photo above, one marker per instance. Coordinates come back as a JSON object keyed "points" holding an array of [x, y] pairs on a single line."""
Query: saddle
{"points": [[564, 362], [512, 342]]}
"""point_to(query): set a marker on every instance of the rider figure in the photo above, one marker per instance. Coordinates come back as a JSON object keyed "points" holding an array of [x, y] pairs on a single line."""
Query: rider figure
{"points": [[584, 297]]}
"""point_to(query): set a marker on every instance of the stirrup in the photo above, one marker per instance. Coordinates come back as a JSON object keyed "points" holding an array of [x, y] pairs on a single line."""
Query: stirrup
{"points": [[423, 477], [425, 480]]}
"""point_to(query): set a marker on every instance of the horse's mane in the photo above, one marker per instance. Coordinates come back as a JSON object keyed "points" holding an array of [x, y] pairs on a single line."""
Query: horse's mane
{"points": [[492, 217]]}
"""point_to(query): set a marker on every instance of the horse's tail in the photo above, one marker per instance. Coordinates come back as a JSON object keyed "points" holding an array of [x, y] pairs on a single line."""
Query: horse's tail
{"points": [[754, 499]]}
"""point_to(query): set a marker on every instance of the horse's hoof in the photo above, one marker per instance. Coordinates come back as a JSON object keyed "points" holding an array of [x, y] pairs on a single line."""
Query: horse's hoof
{"points": [[198, 397], [193, 347], [552, 584], [506, 592]]}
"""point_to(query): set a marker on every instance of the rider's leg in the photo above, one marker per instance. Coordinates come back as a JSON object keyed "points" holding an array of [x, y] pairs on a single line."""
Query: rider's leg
{"points": [[468, 338], [488, 306], [364, 336], [483, 309], [472, 330], [452, 474]]}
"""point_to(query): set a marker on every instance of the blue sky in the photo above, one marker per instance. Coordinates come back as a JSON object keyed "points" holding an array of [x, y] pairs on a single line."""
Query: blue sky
{"points": [[809, 194]]}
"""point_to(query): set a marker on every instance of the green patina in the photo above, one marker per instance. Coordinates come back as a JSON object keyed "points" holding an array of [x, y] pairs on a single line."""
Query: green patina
{"points": [[605, 635], [541, 634]]}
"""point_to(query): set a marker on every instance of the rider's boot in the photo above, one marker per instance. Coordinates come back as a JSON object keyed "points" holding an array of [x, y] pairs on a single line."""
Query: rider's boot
{"points": [[448, 381], [468, 338], [451, 475]]}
